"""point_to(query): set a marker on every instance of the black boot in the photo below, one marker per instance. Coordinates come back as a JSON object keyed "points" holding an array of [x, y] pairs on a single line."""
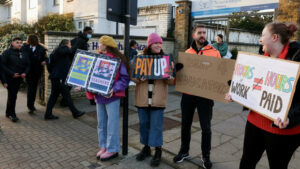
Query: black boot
{"points": [[78, 114], [51, 117], [155, 161], [31, 110], [13, 117], [206, 161], [146, 152], [92, 102]]}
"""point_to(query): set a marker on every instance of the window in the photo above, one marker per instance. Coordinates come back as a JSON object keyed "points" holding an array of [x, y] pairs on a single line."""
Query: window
{"points": [[9, 12], [55, 2], [79, 25], [86, 23], [91, 24]]}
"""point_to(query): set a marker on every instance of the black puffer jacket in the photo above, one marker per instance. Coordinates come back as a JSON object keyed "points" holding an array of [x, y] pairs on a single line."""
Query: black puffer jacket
{"points": [[59, 62], [14, 62], [80, 42], [294, 113]]}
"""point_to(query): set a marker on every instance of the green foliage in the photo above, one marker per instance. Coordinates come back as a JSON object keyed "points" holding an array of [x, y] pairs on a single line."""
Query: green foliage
{"points": [[251, 22], [51, 22], [54, 22], [9, 28], [6, 40]]}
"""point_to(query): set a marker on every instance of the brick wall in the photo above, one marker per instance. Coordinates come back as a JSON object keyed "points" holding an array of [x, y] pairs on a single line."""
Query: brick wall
{"points": [[182, 24], [289, 11], [155, 18]]}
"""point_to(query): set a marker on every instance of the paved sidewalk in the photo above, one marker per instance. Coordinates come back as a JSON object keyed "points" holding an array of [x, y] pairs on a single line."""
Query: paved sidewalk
{"points": [[61, 144], [72, 143]]}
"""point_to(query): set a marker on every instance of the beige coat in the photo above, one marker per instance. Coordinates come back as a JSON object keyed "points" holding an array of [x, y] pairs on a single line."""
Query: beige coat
{"points": [[159, 93]]}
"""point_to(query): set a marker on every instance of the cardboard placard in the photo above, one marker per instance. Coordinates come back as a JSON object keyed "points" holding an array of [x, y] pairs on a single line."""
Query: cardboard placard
{"points": [[264, 84], [204, 76], [152, 66], [93, 72]]}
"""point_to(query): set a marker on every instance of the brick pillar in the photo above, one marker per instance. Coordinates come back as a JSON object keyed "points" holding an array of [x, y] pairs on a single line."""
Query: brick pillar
{"points": [[289, 11], [182, 25]]}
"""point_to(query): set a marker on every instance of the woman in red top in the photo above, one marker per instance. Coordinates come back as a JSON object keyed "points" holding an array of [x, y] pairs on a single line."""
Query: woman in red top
{"points": [[280, 139]]}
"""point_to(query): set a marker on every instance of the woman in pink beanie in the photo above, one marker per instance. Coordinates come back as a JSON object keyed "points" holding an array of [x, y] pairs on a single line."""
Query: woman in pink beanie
{"points": [[151, 99], [154, 38]]}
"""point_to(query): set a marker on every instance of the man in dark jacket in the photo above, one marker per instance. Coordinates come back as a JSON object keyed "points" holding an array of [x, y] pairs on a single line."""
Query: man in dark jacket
{"points": [[16, 67], [36, 54], [81, 42], [58, 66]]}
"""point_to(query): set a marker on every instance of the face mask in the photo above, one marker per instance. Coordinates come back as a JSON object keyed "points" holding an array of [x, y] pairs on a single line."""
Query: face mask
{"points": [[89, 36]]}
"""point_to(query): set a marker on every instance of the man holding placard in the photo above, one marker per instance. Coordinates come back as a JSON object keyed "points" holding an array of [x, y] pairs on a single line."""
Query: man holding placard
{"points": [[204, 106]]}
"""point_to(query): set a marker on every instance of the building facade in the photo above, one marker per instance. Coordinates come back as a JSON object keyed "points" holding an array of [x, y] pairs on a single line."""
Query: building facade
{"points": [[86, 13]]}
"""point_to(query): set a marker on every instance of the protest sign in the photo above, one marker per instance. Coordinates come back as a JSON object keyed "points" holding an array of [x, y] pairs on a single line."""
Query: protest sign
{"points": [[80, 69], [152, 67], [264, 84], [204, 76], [103, 75], [93, 72]]}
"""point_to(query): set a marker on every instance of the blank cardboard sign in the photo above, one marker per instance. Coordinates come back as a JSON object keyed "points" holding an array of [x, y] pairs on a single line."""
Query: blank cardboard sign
{"points": [[204, 76]]}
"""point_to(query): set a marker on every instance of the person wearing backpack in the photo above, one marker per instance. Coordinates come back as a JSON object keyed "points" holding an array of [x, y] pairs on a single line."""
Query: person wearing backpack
{"points": [[80, 42], [58, 66]]}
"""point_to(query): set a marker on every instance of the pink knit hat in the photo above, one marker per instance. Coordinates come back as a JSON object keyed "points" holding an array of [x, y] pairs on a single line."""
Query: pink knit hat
{"points": [[153, 38]]}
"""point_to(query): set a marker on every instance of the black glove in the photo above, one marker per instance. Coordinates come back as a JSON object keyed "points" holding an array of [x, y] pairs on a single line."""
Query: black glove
{"points": [[178, 66]]}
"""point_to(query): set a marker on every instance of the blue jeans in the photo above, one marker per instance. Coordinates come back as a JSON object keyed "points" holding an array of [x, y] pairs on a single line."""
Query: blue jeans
{"points": [[151, 127], [108, 126]]}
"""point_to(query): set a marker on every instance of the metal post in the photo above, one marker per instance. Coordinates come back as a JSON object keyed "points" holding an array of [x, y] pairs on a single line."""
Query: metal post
{"points": [[227, 30], [125, 103], [117, 28]]}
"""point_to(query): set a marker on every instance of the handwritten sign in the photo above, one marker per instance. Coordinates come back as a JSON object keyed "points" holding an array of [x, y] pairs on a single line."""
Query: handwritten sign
{"points": [[152, 66], [93, 72], [204, 76], [264, 84]]}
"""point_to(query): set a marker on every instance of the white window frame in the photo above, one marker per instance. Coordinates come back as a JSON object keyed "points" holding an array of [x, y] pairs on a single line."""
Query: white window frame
{"points": [[92, 26], [9, 12], [78, 24], [55, 2]]}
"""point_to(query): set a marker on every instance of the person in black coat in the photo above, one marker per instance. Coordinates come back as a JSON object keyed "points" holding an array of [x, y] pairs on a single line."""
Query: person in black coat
{"points": [[36, 54], [2, 75], [81, 42], [16, 67], [59, 64]]}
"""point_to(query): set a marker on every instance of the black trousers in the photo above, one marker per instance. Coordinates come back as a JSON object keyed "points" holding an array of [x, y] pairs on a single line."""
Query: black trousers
{"points": [[204, 107], [13, 89], [279, 148], [32, 81], [59, 87]]}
